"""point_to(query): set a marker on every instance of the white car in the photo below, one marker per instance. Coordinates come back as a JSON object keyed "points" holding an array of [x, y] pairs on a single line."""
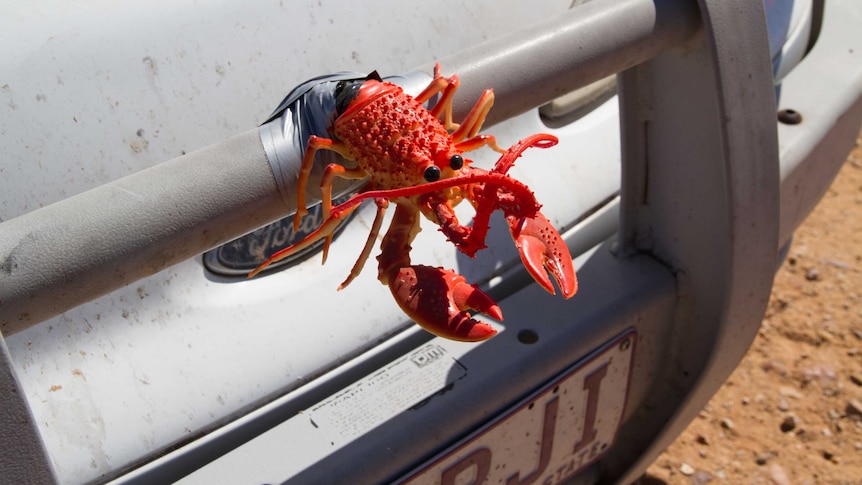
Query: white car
{"points": [[139, 187]]}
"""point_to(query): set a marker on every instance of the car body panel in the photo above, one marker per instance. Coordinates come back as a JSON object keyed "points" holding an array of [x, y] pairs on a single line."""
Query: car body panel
{"points": [[185, 356]]}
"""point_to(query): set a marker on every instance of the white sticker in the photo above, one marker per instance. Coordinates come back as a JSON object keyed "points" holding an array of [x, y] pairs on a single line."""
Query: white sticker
{"points": [[393, 389]]}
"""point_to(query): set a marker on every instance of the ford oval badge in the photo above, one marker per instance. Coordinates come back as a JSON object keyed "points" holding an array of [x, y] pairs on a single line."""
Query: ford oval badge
{"points": [[240, 256]]}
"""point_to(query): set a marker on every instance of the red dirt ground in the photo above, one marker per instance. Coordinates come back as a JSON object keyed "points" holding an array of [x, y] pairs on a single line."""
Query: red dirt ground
{"points": [[791, 413]]}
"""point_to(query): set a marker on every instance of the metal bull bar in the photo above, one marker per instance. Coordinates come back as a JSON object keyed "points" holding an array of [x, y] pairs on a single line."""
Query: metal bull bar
{"points": [[698, 227], [65, 254]]}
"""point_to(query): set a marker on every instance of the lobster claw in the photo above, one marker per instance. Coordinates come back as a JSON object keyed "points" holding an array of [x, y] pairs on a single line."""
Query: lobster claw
{"points": [[438, 299], [543, 251]]}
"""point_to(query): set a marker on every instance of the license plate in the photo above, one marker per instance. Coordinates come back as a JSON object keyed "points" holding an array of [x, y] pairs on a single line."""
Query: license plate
{"points": [[552, 435]]}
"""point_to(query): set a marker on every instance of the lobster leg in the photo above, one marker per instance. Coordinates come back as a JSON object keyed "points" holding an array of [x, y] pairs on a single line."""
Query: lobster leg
{"points": [[435, 298], [329, 173], [314, 143], [327, 228], [382, 204], [446, 87], [475, 118], [465, 134], [477, 142]]}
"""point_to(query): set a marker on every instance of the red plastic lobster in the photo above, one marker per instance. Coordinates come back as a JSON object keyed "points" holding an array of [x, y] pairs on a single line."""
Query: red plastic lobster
{"points": [[413, 160]]}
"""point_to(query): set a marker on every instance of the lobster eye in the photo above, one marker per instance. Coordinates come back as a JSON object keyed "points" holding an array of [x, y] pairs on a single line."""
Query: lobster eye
{"points": [[456, 162], [432, 173]]}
